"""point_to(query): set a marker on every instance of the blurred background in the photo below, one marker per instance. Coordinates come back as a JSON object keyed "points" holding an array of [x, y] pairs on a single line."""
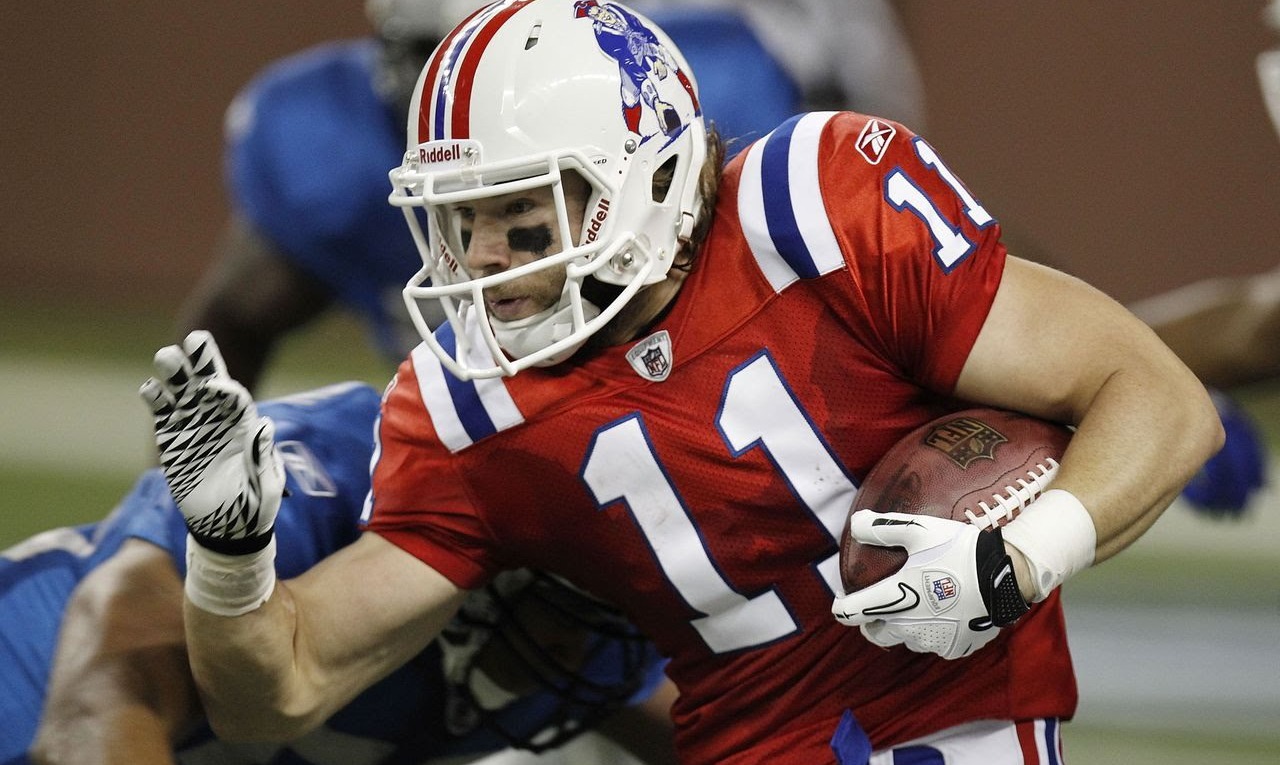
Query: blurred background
{"points": [[1121, 143]]}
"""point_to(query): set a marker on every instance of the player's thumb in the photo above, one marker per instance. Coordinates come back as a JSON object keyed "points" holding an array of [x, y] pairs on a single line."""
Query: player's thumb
{"points": [[264, 463]]}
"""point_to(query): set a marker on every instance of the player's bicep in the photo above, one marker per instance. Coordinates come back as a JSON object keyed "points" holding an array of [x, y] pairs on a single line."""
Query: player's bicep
{"points": [[1050, 342]]}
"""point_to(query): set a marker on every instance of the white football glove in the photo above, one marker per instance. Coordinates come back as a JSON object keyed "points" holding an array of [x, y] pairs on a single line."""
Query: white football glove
{"points": [[950, 598], [218, 456]]}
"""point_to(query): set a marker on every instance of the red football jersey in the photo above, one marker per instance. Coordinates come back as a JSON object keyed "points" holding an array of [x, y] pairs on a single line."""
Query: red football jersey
{"points": [[699, 478]]}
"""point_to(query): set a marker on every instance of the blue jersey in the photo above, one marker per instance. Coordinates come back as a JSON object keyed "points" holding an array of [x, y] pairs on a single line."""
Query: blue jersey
{"points": [[326, 439], [309, 146]]}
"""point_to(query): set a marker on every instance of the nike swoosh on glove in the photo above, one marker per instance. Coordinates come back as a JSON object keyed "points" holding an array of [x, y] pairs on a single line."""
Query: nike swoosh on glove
{"points": [[950, 598]]}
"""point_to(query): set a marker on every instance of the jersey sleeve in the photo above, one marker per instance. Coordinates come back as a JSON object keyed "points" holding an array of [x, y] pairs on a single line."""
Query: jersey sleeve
{"points": [[863, 200], [148, 512], [924, 256], [418, 502]]}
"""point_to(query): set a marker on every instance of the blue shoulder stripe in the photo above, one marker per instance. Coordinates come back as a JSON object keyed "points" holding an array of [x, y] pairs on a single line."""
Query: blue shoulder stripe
{"points": [[466, 401], [781, 207], [462, 411]]}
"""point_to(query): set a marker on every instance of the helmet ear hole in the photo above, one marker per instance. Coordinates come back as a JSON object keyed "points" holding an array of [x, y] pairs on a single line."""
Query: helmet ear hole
{"points": [[663, 177]]}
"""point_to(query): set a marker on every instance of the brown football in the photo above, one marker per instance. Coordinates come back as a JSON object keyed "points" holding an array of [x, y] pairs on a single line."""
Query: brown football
{"points": [[978, 465]]}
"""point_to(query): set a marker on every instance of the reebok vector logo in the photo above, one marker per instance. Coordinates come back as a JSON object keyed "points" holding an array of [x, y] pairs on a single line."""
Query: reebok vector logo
{"points": [[874, 140]]}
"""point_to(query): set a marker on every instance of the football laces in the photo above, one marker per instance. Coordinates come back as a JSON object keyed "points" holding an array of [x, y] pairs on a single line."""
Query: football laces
{"points": [[1005, 507]]}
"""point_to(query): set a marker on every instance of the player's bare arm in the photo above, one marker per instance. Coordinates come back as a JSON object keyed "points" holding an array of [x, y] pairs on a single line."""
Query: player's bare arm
{"points": [[1057, 348], [272, 661], [120, 689], [280, 670], [1053, 347]]}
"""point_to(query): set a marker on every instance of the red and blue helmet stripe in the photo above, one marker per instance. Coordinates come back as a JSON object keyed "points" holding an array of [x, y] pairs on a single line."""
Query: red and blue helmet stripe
{"points": [[453, 67]]}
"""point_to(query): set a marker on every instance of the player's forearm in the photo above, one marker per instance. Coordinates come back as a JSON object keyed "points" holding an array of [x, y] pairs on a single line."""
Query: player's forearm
{"points": [[1143, 436], [1057, 348], [249, 673], [120, 690], [1133, 452]]}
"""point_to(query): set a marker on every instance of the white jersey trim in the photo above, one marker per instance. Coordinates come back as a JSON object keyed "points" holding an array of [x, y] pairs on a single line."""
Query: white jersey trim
{"points": [[463, 412], [780, 204]]}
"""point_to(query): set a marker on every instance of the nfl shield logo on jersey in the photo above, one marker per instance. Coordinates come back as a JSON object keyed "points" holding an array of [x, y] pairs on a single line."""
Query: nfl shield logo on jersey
{"points": [[651, 357]]}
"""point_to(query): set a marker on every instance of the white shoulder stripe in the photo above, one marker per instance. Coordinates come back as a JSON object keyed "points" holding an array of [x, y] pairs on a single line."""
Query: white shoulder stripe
{"points": [[498, 402], [810, 210], [435, 395], [463, 412], [754, 227], [780, 204]]}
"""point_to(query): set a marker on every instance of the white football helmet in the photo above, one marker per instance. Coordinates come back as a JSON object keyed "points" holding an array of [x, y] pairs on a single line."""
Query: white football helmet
{"points": [[519, 93]]}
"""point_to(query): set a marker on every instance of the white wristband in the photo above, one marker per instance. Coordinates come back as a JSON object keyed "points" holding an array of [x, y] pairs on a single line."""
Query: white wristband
{"points": [[1057, 537], [229, 585]]}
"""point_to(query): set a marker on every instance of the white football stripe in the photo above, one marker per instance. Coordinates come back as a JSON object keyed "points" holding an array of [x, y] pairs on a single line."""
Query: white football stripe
{"points": [[806, 205], [754, 227]]}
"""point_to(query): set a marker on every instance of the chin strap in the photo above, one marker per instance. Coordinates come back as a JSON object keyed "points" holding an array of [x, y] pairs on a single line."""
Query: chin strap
{"points": [[524, 337]]}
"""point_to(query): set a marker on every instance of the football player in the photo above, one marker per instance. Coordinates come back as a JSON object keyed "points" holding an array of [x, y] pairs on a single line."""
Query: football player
{"points": [[290, 251], [293, 250], [92, 637], [661, 378]]}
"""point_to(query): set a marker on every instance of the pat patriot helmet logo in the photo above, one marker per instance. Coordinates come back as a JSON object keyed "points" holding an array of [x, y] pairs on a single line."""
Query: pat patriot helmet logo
{"points": [[651, 75], [965, 439], [874, 140]]}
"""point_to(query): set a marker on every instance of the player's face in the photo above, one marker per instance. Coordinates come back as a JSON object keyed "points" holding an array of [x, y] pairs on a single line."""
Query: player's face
{"points": [[505, 232]]}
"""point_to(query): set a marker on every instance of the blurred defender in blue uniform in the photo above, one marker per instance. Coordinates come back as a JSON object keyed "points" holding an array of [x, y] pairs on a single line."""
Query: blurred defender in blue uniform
{"points": [[91, 635]]}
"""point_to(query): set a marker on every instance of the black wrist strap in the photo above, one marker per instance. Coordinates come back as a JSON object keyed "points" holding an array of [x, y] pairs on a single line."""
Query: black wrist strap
{"points": [[996, 580], [240, 546]]}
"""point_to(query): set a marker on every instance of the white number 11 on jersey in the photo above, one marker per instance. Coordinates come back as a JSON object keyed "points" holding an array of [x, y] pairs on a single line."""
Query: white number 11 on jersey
{"points": [[757, 412]]}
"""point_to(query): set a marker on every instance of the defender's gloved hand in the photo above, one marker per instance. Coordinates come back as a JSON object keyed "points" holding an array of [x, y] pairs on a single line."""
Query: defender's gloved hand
{"points": [[218, 455], [1225, 483], [950, 598]]}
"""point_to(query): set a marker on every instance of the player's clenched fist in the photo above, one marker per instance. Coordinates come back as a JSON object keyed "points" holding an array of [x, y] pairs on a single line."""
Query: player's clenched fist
{"points": [[220, 460]]}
